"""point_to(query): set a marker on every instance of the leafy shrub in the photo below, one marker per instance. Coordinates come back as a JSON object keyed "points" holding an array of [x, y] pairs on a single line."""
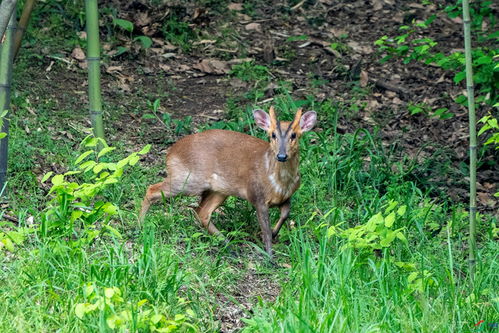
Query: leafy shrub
{"points": [[378, 233], [75, 206], [120, 314], [410, 47]]}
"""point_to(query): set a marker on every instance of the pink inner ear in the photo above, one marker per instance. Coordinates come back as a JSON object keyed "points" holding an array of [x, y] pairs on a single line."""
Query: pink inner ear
{"points": [[262, 119], [308, 120]]}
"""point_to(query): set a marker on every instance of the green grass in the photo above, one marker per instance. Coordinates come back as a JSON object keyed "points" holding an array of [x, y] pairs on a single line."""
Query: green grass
{"points": [[180, 270]]}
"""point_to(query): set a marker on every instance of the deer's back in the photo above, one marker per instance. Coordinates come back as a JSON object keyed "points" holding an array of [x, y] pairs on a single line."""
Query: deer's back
{"points": [[217, 160]]}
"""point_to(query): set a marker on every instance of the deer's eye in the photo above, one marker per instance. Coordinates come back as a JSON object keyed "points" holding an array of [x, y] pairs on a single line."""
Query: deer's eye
{"points": [[293, 136], [273, 135]]}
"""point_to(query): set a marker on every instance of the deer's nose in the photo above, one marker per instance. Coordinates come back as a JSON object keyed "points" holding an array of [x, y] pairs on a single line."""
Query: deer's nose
{"points": [[282, 157]]}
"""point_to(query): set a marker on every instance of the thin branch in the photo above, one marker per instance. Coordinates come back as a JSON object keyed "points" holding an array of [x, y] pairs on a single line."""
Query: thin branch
{"points": [[23, 23]]}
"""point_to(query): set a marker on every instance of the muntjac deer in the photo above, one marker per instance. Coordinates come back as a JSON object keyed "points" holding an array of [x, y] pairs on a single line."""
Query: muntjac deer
{"points": [[216, 164]]}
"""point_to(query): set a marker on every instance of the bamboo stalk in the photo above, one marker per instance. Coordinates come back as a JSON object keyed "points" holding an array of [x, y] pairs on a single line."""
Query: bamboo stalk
{"points": [[93, 62], [23, 23], [6, 57], [472, 128], [6, 9]]}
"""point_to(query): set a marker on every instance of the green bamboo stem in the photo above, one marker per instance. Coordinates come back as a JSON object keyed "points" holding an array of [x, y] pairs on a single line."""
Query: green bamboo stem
{"points": [[93, 62], [472, 125], [6, 57], [6, 9], [23, 23]]}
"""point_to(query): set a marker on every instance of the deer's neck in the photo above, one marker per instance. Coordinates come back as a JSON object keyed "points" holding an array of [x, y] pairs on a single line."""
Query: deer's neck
{"points": [[283, 176]]}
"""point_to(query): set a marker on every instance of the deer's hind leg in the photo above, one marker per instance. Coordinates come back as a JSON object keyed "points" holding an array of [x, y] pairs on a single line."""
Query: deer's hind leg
{"points": [[154, 193], [209, 202]]}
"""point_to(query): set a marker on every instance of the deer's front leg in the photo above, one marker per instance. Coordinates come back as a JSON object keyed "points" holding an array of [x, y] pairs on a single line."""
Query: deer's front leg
{"points": [[262, 211], [285, 208]]}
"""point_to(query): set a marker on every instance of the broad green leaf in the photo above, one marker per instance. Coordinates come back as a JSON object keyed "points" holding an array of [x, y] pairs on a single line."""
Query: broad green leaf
{"points": [[389, 220], [80, 310], [70, 173], [76, 214], [126, 315], [83, 156], [90, 141], [110, 181], [145, 150], [412, 276], [105, 150], [141, 302], [103, 175], [405, 265], [88, 289], [179, 317], [401, 236], [58, 179], [123, 24], [388, 239], [16, 236], [459, 77], [156, 318], [133, 160], [331, 231], [145, 41], [8, 244], [109, 292], [374, 220], [88, 165], [391, 206], [3, 135], [484, 60], [111, 321], [121, 50], [113, 231], [196, 235], [98, 168], [122, 163], [401, 211], [47, 176]]}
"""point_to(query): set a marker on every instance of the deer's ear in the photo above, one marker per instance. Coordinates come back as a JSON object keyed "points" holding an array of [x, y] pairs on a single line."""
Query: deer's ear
{"points": [[308, 120], [262, 119]]}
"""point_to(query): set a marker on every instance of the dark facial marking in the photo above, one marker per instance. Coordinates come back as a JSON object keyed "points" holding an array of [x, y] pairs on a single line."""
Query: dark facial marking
{"points": [[279, 128]]}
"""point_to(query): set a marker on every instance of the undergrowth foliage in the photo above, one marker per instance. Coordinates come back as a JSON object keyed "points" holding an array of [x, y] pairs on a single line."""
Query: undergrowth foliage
{"points": [[412, 45], [119, 314], [75, 210]]}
